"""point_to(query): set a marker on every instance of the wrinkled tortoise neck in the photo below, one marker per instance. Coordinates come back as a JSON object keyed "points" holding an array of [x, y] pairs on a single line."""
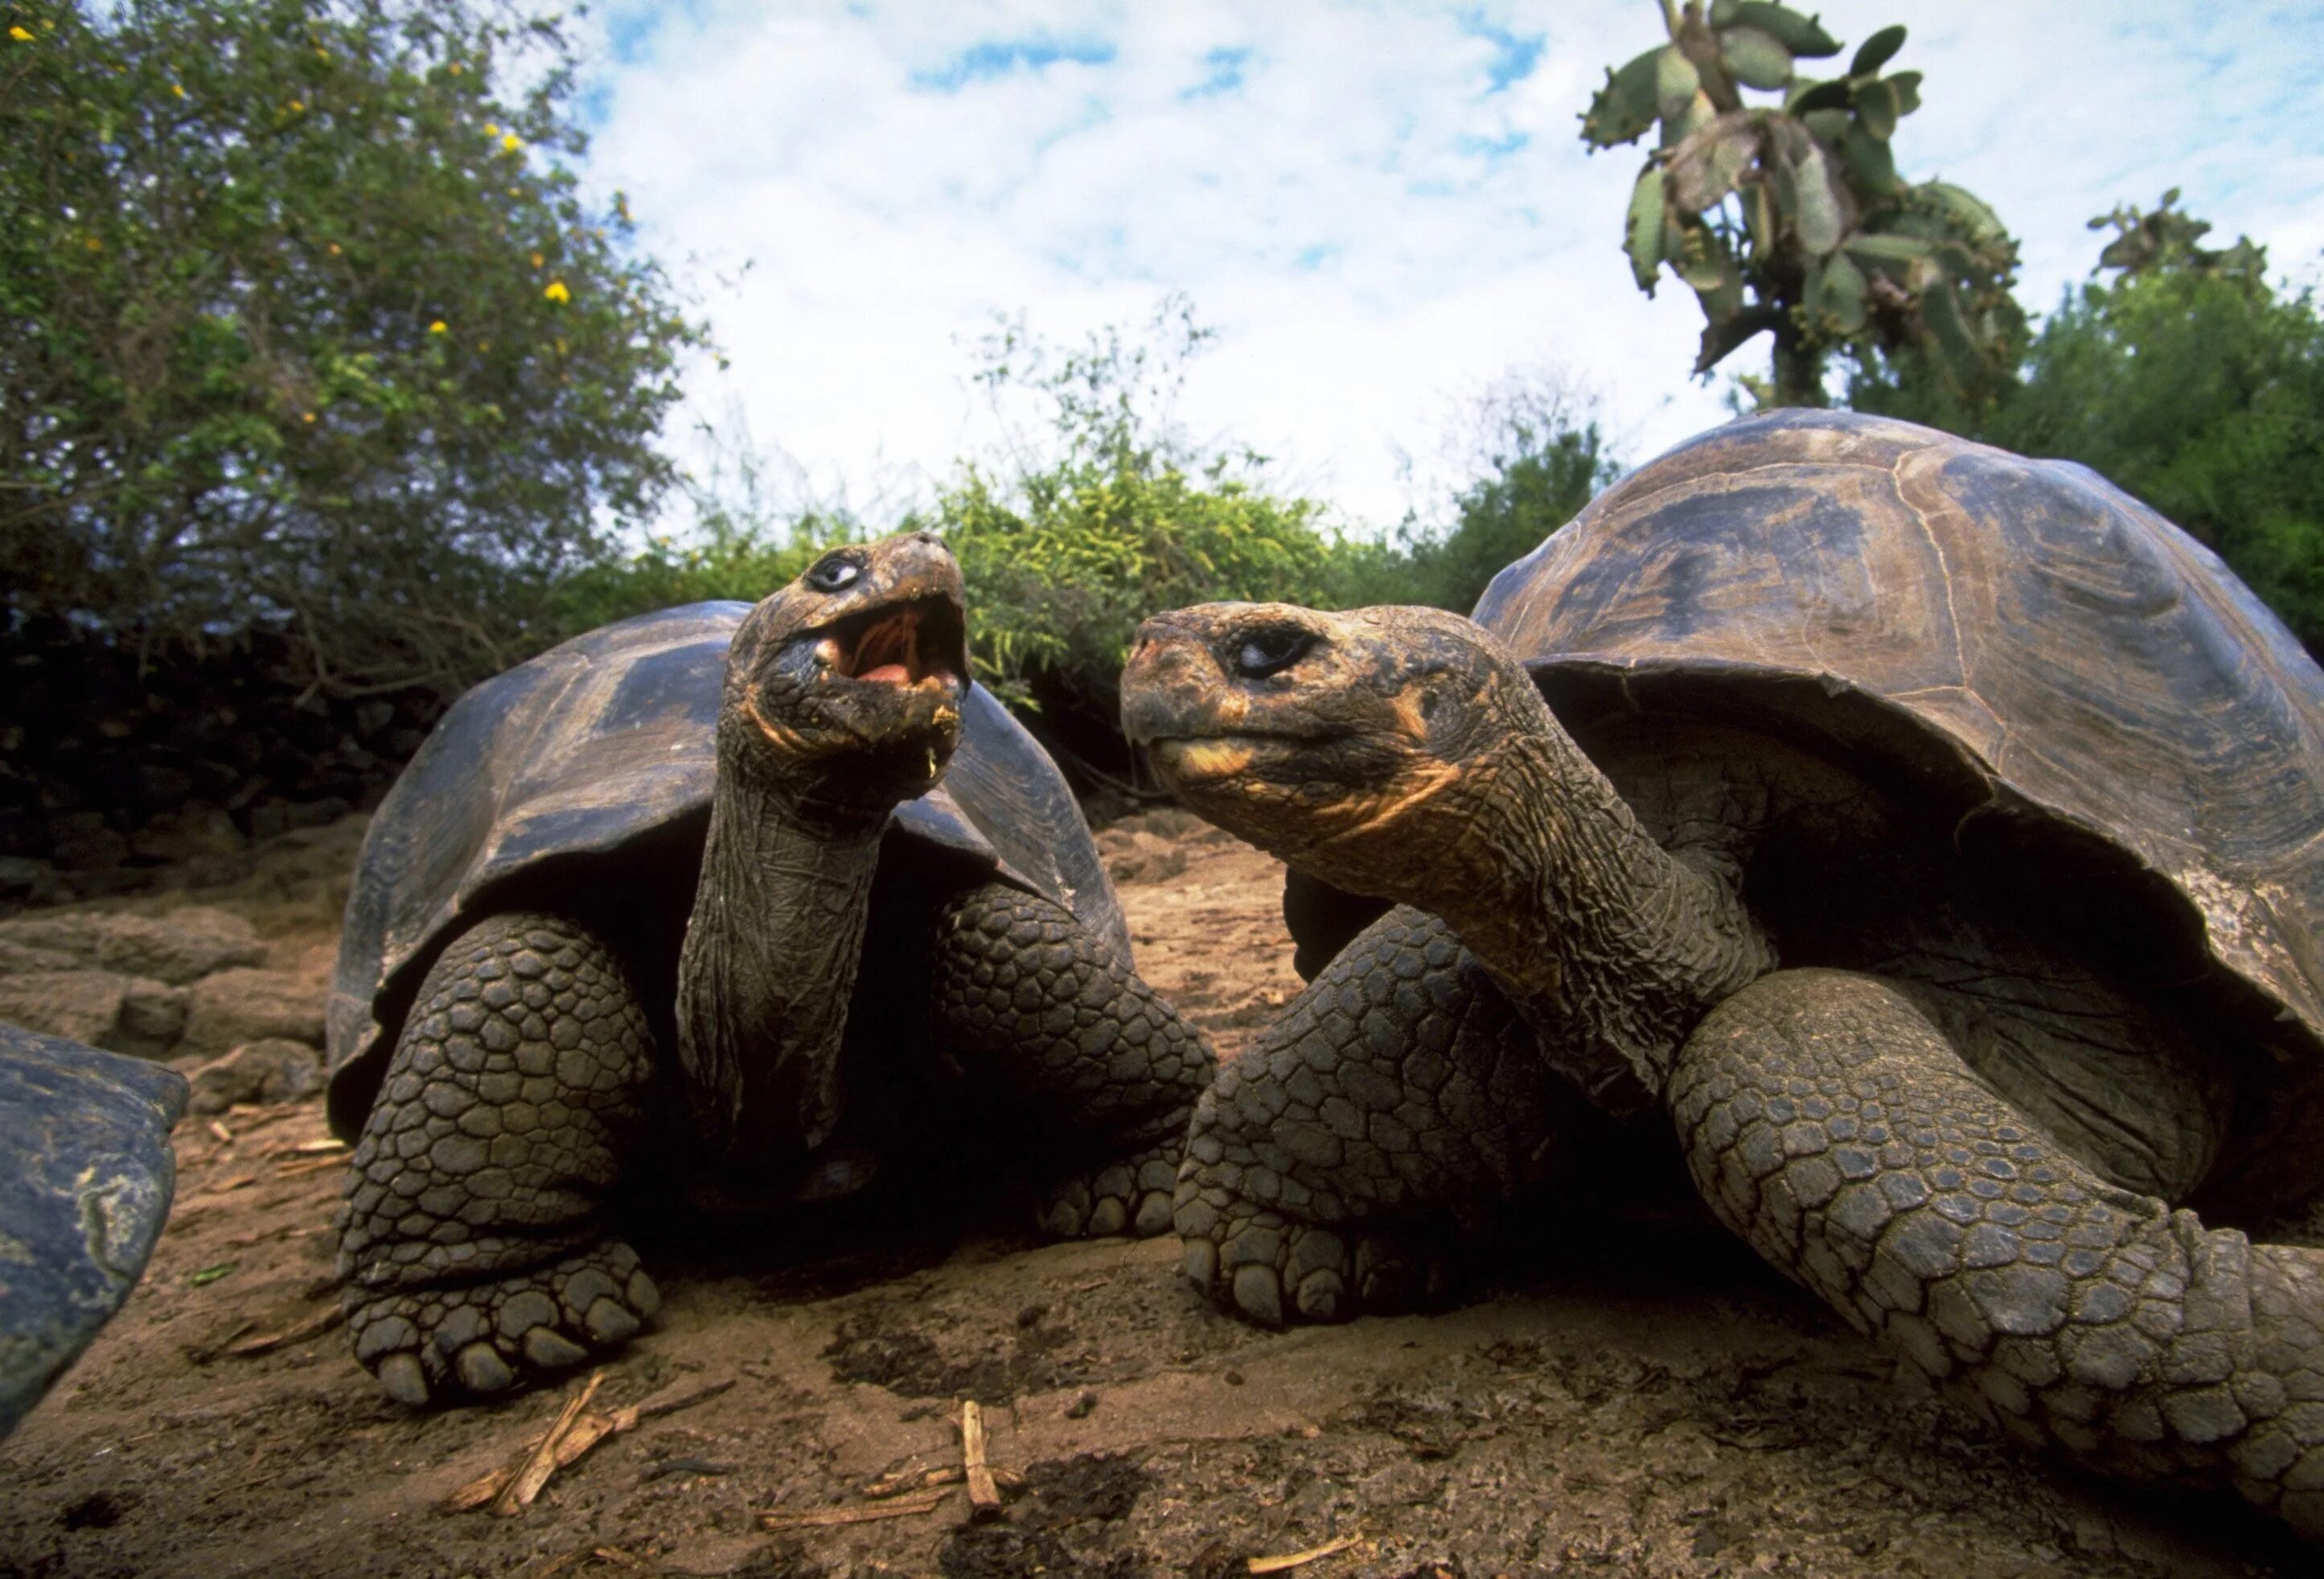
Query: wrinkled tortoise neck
{"points": [[768, 969], [1613, 948]]}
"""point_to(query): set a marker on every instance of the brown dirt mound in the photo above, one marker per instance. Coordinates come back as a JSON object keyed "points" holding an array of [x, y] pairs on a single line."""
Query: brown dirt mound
{"points": [[1626, 1401]]}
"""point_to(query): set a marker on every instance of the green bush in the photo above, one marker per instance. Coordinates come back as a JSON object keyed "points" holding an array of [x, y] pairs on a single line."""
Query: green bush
{"points": [[1107, 515], [304, 324]]}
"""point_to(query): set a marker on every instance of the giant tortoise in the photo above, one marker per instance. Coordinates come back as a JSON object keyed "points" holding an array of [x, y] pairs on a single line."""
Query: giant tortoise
{"points": [[677, 918], [1935, 837], [86, 1176]]}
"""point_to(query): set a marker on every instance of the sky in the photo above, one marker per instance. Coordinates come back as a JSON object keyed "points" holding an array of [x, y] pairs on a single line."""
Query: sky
{"points": [[1382, 210]]}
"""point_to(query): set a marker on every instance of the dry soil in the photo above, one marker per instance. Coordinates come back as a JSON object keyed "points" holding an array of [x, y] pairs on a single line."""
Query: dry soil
{"points": [[1622, 1398]]}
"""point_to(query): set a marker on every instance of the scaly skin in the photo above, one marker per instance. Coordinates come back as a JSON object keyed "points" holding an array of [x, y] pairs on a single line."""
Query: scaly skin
{"points": [[474, 1238], [1398, 1097], [1082, 1054], [1403, 753], [473, 1242], [1833, 1126]]}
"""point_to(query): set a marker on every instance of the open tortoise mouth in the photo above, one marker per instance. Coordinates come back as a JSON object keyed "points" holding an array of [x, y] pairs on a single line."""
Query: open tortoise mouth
{"points": [[901, 645]]}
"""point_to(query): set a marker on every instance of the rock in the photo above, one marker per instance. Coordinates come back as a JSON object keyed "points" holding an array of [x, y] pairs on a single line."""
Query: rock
{"points": [[18, 959], [271, 819], [192, 832], [272, 1070], [26, 881], [182, 947], [106, 1008], [1133, 855], [91, 852], [237, 1006]]}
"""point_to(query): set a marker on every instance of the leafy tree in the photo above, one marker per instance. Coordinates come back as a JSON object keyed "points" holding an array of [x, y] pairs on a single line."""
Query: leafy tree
{"points": [[746, 538], [1104, 514], [1535, 458], [303, 322], [1790, 218]]}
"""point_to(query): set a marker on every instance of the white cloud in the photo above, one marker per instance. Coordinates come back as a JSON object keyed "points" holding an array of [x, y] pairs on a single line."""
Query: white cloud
{"points": [[1373, 224]]}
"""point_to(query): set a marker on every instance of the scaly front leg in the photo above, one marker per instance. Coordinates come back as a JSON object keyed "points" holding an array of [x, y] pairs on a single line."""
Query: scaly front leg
{"points": [[1397, 1100], [474, 1241], [1831, 1125], [1088, 1060]]}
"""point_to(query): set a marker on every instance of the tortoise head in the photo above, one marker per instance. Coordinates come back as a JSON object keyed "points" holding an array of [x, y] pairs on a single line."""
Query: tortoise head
{"points": [[844, 687], [1361, 746]]}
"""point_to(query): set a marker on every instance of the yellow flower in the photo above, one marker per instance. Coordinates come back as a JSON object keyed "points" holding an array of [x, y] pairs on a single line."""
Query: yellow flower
{"points": [[21, 35], [511, 143], [334, 249], [296, 106], [557, 292], [437, 327], [489, 129], [94, 244], [306, 416], [536, 260], [454, 68], [177, 91]]}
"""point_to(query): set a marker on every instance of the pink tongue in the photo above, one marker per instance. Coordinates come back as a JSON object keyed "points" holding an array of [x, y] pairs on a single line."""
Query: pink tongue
{"points": [[894, 674]]}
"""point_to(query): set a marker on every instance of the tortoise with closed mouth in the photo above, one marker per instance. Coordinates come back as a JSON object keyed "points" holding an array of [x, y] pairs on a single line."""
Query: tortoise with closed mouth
{"points": [[726, 911], [1930, 839]]}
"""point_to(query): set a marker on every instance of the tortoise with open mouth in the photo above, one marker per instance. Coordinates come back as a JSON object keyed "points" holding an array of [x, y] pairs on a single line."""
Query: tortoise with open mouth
{"points": [[1929, 841], [725, 910]]}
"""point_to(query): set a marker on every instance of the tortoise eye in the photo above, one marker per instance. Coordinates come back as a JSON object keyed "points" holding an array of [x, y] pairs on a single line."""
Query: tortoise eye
{"points": [[836, 574], [1271, 650]]}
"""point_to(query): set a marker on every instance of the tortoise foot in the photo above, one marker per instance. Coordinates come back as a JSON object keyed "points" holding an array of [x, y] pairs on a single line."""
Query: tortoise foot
{"points": [[446, 1346], [1130, 1195], [1255, 1262]]}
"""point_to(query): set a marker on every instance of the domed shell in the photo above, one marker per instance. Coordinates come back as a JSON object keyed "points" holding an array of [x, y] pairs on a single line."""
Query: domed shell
{"points": [[596, 747], [85, 1186], [2026, 649]]}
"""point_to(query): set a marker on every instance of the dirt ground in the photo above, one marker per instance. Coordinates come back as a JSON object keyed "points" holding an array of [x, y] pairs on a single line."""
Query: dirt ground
{"points": [[1617, 1398]]}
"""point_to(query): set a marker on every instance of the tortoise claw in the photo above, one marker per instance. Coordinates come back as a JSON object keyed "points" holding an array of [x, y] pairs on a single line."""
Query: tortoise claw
{"points": [[482, 1340], [400, 1373]]}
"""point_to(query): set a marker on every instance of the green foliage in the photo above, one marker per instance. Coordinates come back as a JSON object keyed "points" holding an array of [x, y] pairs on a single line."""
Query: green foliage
{"points": [[303, 322], [745, 543], [2187, 381], [1790, 218], [1533, 462], [2170, 239], [1106, 514]]}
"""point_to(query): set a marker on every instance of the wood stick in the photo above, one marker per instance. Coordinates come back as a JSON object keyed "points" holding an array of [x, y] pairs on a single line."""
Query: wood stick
{"points": [[902, 1508], [321, 1322], [584, 1433], [983, 1496], [534, 1476], [1300, 1559]]}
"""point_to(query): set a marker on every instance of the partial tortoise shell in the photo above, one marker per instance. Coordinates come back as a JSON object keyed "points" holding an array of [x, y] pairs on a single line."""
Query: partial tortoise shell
{"points": [[2026, 651], [597, 748]]}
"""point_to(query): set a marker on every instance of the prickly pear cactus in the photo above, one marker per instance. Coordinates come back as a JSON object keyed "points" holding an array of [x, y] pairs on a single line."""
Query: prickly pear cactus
{"points": [[1790, 216]]}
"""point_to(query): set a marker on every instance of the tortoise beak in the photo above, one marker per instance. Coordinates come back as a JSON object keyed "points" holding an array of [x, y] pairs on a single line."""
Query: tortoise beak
{"points": [[1171, 688]]}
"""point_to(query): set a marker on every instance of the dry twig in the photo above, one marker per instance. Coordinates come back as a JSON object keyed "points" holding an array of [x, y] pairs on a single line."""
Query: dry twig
{"points": [[315, 1326], [901, 1508], [1300, 1559], [983, 1496], [518, 1493], [573, 1437]]}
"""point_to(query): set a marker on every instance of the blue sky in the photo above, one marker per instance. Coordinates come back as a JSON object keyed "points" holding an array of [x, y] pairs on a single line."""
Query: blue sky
{"points": [[1382, 209]]}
